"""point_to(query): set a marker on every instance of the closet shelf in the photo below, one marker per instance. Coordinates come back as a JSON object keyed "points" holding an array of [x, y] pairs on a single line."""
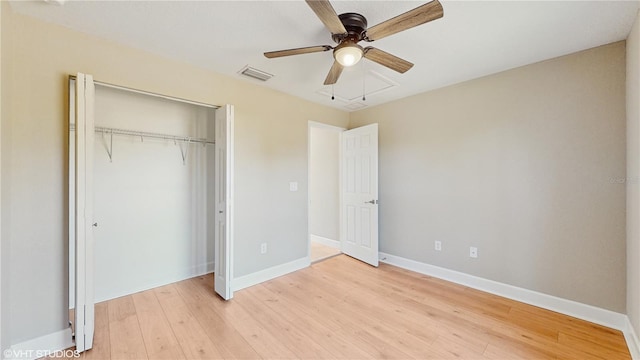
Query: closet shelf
{"points": [[178, 140], [145, 134]]}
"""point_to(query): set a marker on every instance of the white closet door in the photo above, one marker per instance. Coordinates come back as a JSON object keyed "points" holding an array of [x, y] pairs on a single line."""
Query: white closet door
{"points": [[223, 198], [84, 138]]}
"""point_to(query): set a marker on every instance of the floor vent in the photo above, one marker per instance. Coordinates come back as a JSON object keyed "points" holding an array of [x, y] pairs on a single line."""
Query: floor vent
{"points": [[255, 73]]}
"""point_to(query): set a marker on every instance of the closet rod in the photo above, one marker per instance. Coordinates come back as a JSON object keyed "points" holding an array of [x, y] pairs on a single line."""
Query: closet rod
{"points": [[143, 92], [143, 134]]}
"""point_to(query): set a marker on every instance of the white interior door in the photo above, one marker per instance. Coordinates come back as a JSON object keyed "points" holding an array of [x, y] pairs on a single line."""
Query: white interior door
{"points": [[359, 188], [223, 198], [84, 138]]}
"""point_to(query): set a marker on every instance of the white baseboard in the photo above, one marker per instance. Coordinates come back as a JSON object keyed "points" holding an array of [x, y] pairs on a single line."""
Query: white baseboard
{"points": [[631, 336], [50, 344], [578, 310], [245, 281], [569, 307], [325, 241], [203, 269]]}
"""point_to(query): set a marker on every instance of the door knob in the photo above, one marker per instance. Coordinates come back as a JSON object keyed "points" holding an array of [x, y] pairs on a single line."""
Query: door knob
{"points": [[94, 224], [371, 202]]}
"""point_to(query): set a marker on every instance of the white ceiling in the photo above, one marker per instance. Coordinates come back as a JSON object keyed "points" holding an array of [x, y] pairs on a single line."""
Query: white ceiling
{"points": [[474, 39]]}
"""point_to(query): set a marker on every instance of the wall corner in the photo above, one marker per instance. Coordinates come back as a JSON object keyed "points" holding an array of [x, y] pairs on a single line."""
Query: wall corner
{"points": [[633, 180]]}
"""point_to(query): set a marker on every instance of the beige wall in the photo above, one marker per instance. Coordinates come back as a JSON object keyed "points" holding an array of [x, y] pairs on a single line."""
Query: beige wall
{"points": [[5, 320], [527, 165], [3, 292], [633, 176], [271, 150]]}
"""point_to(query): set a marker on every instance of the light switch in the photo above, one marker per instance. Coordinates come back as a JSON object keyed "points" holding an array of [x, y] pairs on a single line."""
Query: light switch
{"points": [[293, 186]]}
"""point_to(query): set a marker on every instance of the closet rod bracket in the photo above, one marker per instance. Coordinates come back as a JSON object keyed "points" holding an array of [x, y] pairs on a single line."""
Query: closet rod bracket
{"points": [[184, 150], [108, 147]]}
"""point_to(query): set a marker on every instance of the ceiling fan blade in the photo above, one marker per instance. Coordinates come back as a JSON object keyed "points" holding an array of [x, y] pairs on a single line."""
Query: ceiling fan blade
{"points": [[385, 59], [334, 73], [327, 15], [298, 51], [418, 16]]}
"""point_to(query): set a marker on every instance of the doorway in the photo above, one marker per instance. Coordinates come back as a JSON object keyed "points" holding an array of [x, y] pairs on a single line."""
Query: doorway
{"points": [[343, 192], [153, 163], [324, 191]]}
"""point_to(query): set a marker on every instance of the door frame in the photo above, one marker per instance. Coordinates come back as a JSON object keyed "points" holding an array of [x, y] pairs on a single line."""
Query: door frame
{"points": [[318, 125]]}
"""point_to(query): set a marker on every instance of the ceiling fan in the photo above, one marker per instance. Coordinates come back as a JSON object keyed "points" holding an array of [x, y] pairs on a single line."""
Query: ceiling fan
{"points": [[348, 29]]}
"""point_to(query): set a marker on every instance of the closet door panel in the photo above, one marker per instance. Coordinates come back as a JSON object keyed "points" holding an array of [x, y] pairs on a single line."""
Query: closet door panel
{"points": [[83, 217], [224, 202]]}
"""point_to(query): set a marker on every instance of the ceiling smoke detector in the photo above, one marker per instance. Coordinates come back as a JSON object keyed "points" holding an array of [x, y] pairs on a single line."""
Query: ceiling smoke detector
{"points": [[255, 73]]}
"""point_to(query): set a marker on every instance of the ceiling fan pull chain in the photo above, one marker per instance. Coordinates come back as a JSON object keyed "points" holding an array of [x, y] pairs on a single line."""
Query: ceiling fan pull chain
{"points": [[364, 76], [333, 92]]}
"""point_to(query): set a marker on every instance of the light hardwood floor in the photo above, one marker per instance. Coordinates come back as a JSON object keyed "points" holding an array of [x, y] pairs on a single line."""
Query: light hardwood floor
{"points": [[341, 309], [321, 252]]}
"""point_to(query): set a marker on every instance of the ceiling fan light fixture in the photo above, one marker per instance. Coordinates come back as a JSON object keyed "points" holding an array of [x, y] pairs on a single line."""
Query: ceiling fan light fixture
{"points": [[348, 53]]}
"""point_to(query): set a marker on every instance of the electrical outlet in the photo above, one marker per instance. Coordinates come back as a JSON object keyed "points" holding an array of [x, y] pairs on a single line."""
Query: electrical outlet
{"points": [[263, 248], [293, 186], [473, 252], [438, 245]]}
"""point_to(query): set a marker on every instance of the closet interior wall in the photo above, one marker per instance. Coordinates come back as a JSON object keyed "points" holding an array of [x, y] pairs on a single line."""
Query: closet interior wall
{"points": [[153, 198]]}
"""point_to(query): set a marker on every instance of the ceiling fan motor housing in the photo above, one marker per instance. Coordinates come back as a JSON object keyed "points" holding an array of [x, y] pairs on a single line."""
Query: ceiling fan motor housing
{"points": [[356, 26]]}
